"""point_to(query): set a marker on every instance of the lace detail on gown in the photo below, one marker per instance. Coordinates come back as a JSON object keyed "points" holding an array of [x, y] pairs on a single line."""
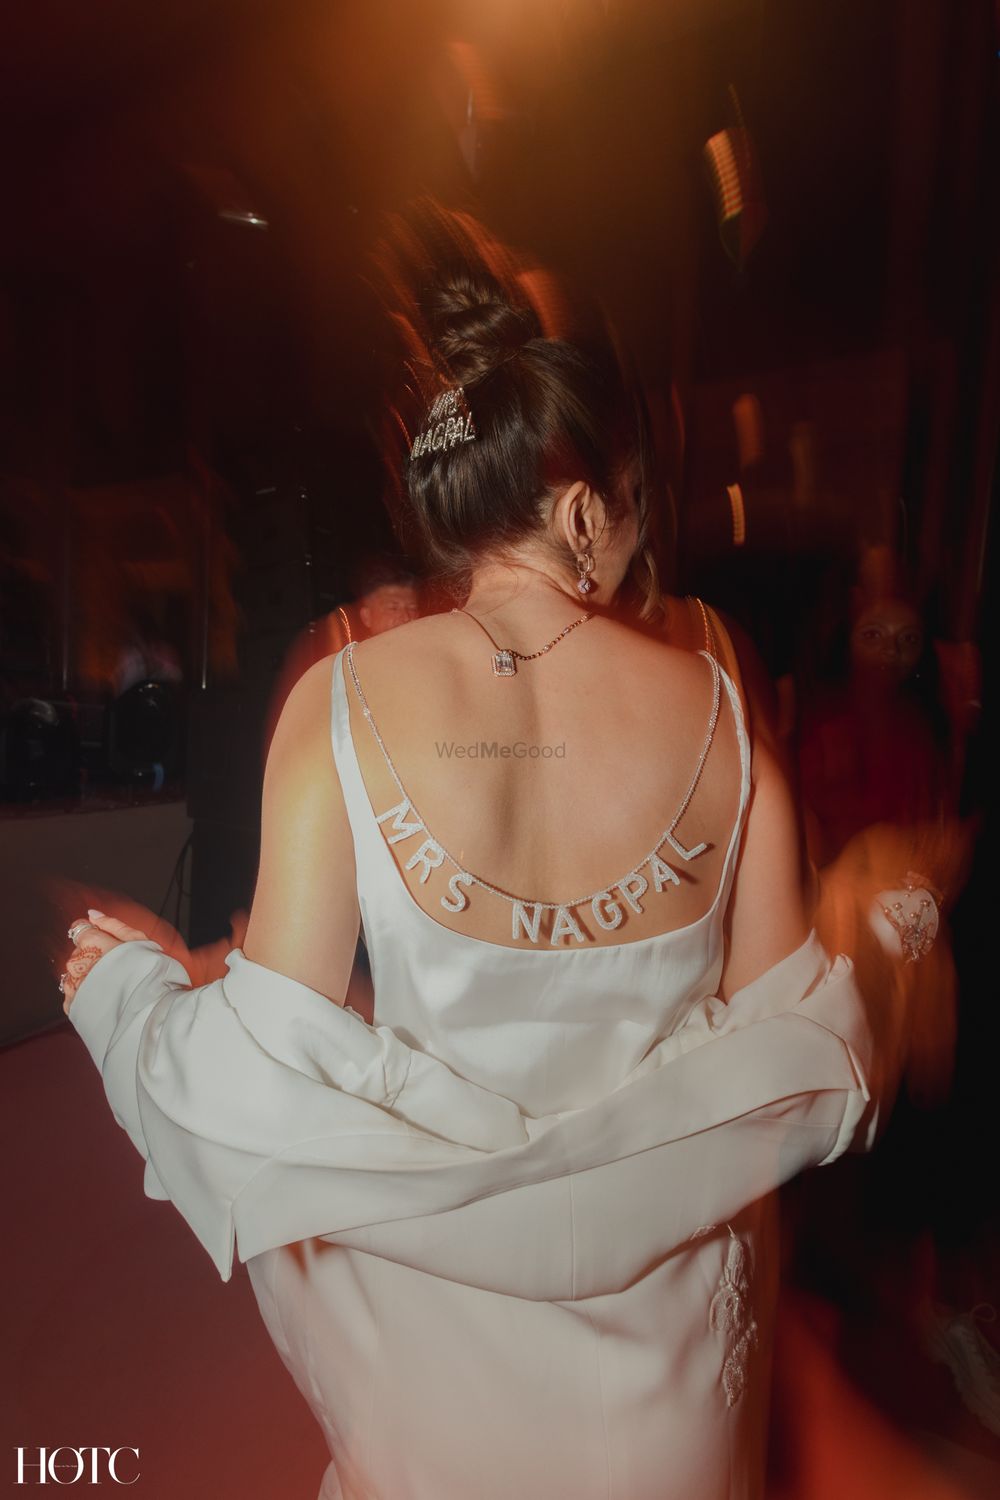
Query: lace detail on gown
{"points": [[731, 1312]]}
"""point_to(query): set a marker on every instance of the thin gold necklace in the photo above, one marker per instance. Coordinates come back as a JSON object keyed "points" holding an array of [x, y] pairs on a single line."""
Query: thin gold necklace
{"points": [[505, 658]]}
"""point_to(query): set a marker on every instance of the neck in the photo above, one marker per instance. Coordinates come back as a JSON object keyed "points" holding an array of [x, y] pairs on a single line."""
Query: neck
{"points": [[524, 591]]}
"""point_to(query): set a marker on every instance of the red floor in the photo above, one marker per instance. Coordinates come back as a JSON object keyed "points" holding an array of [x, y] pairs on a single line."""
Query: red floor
{"points": [[118, 1330]]}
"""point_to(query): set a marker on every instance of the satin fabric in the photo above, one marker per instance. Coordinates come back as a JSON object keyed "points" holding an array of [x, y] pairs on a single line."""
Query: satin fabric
{"points": [[268, 1115], [487, 1233]]}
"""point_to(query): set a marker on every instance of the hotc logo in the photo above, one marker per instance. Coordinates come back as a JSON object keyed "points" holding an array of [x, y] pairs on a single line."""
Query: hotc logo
{"points": [[77, 1465]]}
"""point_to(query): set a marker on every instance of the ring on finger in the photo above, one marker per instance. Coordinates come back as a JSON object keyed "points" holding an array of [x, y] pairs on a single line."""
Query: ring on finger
{"points": [[76, 929]]}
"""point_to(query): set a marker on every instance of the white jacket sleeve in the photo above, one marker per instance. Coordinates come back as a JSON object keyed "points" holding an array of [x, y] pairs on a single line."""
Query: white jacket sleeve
{"points": [[269, 1115]]}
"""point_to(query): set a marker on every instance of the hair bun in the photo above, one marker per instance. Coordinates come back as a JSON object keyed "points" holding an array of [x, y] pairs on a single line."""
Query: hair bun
{"points": [[474, 325]]}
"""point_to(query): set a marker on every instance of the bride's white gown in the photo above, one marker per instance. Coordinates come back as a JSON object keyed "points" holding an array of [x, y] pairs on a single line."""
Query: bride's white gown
{"points": [[512, 1240]]}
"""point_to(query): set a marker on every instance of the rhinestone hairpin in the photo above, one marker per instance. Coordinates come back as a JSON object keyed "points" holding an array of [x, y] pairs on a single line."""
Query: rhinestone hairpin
{"points": [[447, 424]]}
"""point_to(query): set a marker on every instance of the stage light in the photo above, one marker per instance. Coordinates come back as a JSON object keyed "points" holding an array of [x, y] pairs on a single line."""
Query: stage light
{"points": [[738, 507]]}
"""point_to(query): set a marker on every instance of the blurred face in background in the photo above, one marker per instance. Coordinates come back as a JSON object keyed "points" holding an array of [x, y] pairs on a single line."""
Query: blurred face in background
{"points": [[389, 605], [887, 641]]}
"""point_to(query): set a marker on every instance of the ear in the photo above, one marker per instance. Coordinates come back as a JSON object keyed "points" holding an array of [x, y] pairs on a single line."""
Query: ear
{"points": [[365, 615], [579, 516]]}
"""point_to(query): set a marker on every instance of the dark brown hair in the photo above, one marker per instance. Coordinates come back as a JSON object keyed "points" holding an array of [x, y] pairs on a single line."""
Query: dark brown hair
{"points": [[550, 406]]}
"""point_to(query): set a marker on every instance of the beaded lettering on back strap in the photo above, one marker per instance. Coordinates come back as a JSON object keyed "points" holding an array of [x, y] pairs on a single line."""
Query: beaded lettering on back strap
{"points": [[526, 915]]}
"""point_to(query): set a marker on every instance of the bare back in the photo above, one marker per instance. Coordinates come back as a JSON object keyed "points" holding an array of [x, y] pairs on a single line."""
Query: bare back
{"points": [[632, 715], [556, 783]]}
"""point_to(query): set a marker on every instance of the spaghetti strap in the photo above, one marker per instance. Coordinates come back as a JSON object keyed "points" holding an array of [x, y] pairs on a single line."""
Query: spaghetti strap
{"points": [[368, 841], [526, 911]]}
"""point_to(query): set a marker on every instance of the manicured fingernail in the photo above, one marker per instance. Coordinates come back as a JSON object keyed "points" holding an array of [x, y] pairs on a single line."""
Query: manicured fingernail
{"points": [[94, 915]]}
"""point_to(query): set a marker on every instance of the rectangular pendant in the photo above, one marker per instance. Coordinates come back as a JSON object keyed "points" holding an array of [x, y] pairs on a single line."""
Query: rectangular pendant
{"points": [[504, 664]]}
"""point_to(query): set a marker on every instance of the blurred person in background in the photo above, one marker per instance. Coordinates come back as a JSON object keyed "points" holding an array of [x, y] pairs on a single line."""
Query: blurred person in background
{"points": [[880, 761], [146, 656], [386, 593], [885, 714]]}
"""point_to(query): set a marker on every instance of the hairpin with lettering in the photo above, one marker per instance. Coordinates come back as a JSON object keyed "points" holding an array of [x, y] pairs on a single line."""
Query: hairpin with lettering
{"points": [[447, 424]]}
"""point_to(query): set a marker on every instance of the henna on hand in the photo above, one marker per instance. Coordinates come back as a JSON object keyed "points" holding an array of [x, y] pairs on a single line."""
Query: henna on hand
{"points": [[82, 961]]}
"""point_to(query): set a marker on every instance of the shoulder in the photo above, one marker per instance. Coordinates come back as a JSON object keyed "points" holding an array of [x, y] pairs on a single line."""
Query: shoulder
{"points": [[311, 693], [304, 917], [301, 743], [635, 661], [682, 669], [405, 643], [419, 663]]}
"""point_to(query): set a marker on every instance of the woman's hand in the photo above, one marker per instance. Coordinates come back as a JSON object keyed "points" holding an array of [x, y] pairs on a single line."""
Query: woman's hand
{"points": [[92, 936]]}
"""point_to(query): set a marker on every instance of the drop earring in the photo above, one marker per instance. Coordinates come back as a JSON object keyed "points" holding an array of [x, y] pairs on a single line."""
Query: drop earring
{"points": [[585, 566]]}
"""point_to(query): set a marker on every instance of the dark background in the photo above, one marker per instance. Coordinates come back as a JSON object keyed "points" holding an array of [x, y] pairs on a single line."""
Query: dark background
{"points": [[192, 386], [192, 363]]}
